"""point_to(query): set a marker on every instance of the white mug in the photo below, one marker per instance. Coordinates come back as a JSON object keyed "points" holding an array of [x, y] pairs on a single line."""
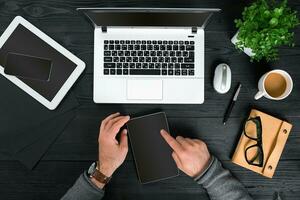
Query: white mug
{"points": [[261, 86]]}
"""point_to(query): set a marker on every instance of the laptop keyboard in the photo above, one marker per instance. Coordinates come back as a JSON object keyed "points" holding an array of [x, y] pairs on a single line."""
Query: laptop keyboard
{"points": [[149, 57]]}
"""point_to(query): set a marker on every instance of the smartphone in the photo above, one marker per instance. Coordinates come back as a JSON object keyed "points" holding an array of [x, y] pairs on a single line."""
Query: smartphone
{"points": [[28, 67]]}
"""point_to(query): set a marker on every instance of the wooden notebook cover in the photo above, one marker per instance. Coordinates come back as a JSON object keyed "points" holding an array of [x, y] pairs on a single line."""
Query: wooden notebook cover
{"points": [[275, 133]]}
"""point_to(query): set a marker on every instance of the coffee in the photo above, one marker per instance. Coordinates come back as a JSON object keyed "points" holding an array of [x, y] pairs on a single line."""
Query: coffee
{"points": [[275, 84]]}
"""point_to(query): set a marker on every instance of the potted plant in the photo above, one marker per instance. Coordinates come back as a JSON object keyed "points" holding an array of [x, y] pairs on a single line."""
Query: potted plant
{"points": [[265, 25]]}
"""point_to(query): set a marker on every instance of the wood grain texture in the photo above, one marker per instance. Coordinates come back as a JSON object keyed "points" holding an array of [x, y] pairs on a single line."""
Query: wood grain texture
{"points": [[76, 148]]}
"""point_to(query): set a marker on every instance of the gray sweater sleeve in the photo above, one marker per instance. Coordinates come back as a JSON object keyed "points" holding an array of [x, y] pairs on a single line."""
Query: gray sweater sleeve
{"points": [[220, 184], [83, 189]]}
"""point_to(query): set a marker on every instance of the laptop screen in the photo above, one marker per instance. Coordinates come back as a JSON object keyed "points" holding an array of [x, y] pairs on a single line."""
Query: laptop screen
{"points": [[149, 17]]}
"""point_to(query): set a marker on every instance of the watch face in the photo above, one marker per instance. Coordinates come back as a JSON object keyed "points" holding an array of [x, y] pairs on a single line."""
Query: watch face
{"points": [[92, 168]]}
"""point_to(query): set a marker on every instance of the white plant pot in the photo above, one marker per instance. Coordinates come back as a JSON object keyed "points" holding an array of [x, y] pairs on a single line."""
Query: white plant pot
{"points": [[246, 50]]}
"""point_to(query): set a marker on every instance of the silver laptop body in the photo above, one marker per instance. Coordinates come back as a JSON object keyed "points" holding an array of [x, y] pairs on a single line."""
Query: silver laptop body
{"points": [[153, 56]]}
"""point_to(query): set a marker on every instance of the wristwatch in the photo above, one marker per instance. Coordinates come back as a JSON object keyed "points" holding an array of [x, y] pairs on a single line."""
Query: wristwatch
{"points": [[95, 173]]}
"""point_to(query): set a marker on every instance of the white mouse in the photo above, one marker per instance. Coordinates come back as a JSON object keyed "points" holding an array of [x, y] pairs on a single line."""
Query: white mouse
{"points": [[222, 78]]}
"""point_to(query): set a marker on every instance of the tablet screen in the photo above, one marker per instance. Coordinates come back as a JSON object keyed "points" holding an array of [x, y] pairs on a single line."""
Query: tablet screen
{"points": [[152, 154], [23, 41]]}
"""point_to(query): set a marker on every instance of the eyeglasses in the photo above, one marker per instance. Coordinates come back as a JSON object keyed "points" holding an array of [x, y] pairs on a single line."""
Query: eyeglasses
{"points": [[253, 130]]}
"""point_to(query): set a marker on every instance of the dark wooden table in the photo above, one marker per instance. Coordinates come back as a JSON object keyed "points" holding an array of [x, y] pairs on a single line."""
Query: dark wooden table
{"points": [[76, 148]]}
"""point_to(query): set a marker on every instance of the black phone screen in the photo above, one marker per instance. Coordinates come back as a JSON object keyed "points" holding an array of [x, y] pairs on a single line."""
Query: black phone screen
{"points": [[26, 66]]}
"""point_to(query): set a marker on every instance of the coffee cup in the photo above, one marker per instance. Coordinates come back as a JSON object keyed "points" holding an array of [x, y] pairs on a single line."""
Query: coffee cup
{"points": [[275, 85]]}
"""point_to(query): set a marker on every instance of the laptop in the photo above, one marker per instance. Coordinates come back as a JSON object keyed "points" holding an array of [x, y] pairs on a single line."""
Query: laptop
{"points": [[149, 55]]}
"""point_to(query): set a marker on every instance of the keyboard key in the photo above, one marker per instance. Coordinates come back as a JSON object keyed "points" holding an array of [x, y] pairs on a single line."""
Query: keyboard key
{"points": [[165, 42], [125, 65], [156, 47], [111, 47], [172, 53], [125, 71], [159, 53], [145, 65], [133, 53], [177, 72], [149, 47], [127, 53], [186, 42], [175, 47], [164, 72], [143, 41], [178, 53], [127, 42], [117, 47], [105, 41], [124, 47], [146, 53], [137, 47], [122, 42], [177, 66], [164, 65], [148, 59], [170, 72], [138, 65], [174, 59], [119, 65], [109, 65], [107, 53], [182, 48], [162, 47], [184, 72], [112, 71], [167, 59], [144, 72], [170, 65], [191, 72], [130, 47], [132, 42], [132, 65], [106, 47], [154, 59], [157, 65], [169, 47], [152, 53], [106, 71], [187, 60], [189, 47], [187, 66], [143, 47], [111, 41], [128, 59], [122, 59], [120, 53], [140, 53], [141, 59], [114, 53], [151, 65], [107, 59], [138, 42], [161, 59], [180, 60], [116, 59], [117, 42], [135, 59], [192, 42], [119, 71]]}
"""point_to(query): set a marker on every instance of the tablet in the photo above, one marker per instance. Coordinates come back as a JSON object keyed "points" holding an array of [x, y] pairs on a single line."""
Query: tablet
{"points": [[152, 154], [23, 38]]}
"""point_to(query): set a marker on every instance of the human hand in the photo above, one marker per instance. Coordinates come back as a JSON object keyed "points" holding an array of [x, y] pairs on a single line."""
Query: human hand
{"points": [[191, 155], [111, 152]]}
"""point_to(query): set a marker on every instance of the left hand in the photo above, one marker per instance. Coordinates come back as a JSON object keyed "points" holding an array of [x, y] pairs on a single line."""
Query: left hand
{"points": [[111, 152]]}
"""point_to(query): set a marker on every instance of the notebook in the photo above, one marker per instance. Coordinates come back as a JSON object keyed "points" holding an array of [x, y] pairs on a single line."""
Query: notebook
{"points": [[152, 155], [275, 133]]}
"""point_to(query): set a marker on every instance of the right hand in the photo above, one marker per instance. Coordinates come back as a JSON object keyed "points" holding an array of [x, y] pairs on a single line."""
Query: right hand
{"points": [[190, 155]]}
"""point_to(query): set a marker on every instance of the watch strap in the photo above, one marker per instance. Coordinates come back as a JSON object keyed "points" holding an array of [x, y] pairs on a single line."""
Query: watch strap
{"points": [[99, 176]]}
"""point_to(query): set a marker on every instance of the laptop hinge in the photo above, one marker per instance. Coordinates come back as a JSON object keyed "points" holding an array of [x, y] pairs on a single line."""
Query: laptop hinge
{"points": [[194, 29], [104, 29]]}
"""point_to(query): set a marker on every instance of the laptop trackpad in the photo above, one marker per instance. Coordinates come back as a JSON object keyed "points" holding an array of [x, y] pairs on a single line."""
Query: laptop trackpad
{"points": [[144, 89]]}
